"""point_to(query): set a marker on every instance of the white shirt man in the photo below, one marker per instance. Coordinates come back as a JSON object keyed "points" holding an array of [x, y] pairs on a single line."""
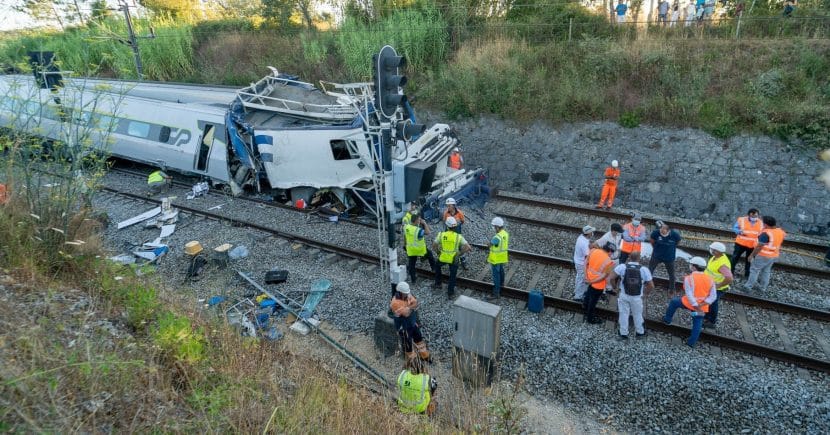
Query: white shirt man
{"points": [[583, 245], [614, 236], [628, 303]]}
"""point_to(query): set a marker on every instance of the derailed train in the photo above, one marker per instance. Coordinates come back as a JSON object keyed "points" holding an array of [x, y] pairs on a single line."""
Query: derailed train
{"points": [[279, 133]]}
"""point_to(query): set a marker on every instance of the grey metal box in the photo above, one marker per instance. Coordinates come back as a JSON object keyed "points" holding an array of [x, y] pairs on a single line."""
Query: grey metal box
{"points": [[477, 326]]}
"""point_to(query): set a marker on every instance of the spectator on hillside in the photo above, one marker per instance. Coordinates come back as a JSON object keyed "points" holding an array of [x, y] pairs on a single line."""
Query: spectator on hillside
{"points": [[699, 10], [662, 12], [675, 14], [621, 9], [789, 8], [690, 13], [708, 9]]}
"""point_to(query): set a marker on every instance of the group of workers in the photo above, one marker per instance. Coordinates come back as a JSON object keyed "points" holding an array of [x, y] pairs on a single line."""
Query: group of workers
{"points": [[613, 261]]}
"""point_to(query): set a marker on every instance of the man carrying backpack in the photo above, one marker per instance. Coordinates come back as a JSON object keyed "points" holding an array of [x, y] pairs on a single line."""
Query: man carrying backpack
{"points": [[635, 279]]}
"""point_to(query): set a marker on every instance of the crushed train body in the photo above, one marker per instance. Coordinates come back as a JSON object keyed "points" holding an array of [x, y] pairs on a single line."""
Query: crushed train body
{"points": [[278, 134]]}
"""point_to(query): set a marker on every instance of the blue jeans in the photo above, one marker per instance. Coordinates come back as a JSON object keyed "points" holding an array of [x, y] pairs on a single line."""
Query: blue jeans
{"points": [[439, 266], [697, 321], [712, 315], [498, 277]]}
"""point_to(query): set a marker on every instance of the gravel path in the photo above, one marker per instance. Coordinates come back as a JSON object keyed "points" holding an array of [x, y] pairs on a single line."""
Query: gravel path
{"points": [[640, 386]]}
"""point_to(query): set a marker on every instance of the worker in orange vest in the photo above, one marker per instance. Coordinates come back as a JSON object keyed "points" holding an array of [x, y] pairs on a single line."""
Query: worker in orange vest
{"points": [[404, 308], [747, 229], [765, 254], [456, 160], [699, 292], [609, 188], [634, 234], [598, 266]]}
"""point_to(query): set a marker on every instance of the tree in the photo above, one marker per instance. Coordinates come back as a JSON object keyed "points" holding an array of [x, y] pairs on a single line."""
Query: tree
{"points": [[100, 10], [281, 11], [185, 9]]}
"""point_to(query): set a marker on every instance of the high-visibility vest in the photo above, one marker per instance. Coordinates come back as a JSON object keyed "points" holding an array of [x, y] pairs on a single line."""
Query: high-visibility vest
{"points": [[611, 175], [703, 283], [498, 254], [773, 247], [155, 177], [749, 232], [414, 247], [414, 389], [407, 219], [713, 269], [450, 242], [455, 160], [596, 265], [629, 247], [459, 216]]}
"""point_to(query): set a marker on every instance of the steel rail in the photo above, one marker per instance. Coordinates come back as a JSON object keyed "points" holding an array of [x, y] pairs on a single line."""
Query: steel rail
{"points": [[741, 298], [550, 301], [810, 246], [801, 270]]}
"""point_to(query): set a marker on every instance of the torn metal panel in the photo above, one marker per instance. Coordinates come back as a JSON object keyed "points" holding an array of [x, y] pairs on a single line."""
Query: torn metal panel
{"points": [[140, 218]]}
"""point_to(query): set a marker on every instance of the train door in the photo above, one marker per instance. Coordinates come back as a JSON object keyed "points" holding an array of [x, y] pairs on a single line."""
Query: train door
{"points": [[202, 160]]}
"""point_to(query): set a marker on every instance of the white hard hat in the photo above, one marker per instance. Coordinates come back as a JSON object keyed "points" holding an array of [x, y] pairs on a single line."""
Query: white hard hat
{"points": [[718, 246], [497, 222], [698, 261], [451, 222], [615, 163], [450, 201], [588, 229], [456, 149], [402, 287]]}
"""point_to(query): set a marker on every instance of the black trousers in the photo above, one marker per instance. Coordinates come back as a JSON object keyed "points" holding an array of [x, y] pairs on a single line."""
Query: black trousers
{"points": [[652, 264], [589, 302], [413, 260], [736, 256]]}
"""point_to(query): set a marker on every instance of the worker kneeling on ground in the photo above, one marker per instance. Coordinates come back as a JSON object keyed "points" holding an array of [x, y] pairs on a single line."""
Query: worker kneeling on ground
{"points": [[700, 292], [404, 308], [157, 180], [417, 389]]}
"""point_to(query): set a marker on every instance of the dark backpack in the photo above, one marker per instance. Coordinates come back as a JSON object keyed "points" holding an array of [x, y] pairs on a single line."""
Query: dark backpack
{"points": [[633, 280]]}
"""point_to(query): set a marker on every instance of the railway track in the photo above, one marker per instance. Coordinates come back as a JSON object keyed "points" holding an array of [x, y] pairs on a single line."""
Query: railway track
{"points": [[564, 222], [750, 346]]}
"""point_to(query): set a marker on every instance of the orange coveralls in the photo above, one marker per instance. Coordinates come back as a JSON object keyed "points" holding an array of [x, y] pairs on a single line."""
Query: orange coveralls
{"points": [[609, 189]]}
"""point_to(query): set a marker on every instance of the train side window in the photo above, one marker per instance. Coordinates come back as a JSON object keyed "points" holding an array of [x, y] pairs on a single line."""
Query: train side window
{"points": [[164, 134], [341, 150], [138, 129], [204, 148]]}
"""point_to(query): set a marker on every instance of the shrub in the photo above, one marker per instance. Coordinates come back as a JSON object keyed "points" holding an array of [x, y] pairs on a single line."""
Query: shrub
{"points": [[177, 337], [630, 119]]}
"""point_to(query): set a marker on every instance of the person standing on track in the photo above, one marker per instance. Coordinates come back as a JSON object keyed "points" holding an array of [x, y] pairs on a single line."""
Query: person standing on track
{"points": [[634, 234], [404, 308], [664, 240], [699, 292], [609, 187], [415, 234], [449, 245], [598, 266], [765, 254], [456, 213], [747, 229], [614, 236], [456, 160], [635, 280], [581, 249], [719, 268], [498, 254]]}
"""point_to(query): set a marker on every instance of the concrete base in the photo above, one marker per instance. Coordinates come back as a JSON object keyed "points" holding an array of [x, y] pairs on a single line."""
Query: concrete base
{"points": [[386, 336], [472, 368]]}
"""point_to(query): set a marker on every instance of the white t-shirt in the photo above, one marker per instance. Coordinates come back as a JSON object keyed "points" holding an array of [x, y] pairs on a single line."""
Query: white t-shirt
{"points": [[645, 275], [608, 237], [583, 245]]}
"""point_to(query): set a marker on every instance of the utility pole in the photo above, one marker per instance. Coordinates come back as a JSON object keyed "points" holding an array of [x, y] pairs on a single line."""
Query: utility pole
{"points": [[133, 41]]}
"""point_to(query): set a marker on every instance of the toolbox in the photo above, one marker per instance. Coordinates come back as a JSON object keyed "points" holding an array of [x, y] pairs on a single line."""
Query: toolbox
{"points": [[276, 276]]}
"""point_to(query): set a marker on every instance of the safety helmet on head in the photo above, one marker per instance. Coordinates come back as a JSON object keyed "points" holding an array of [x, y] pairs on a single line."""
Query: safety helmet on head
{"points": [[450, 201], [698, 261], [615, 163], [414, 212], [718, 246], [456, 150], [402, 287], [497, 222], [451, 222], [588, 229]]}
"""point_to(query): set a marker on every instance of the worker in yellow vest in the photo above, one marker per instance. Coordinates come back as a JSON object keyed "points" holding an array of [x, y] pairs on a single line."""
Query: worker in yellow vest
{"points": [[747, 229], [498, 254], [449, 245], [719, 268], [158, 180], [415, 233], [416, 389], [765, 254], [699, 293], [634, 234]]}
